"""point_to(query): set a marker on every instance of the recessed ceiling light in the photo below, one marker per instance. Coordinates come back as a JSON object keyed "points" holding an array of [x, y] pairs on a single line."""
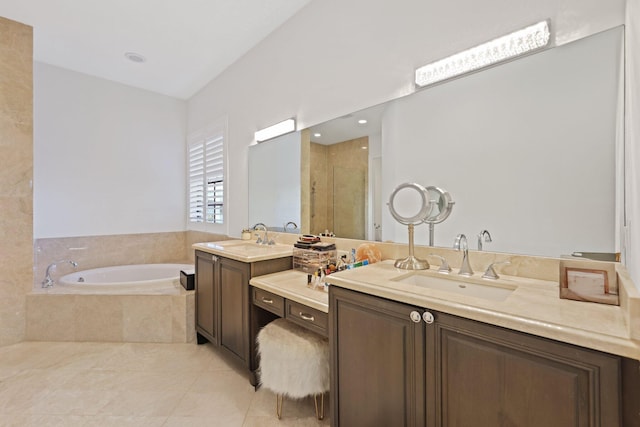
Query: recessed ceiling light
{"points": [[317, 135], [362, 121], [135, 57], [364, 147]]}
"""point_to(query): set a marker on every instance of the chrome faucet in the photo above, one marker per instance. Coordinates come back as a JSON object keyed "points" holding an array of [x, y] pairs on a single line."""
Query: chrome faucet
{"points": [[295, 226], [48, 281], [491, 271], [444, 265], [484, 234], [461, 244], [264, 240]]}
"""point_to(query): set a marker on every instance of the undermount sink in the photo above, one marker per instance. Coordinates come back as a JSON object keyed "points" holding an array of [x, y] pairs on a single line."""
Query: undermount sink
{"points": [[497, 291]]}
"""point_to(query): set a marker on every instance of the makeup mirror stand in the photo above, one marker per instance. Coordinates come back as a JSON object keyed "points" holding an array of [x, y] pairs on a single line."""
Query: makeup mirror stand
{"points": [[411, 262]]}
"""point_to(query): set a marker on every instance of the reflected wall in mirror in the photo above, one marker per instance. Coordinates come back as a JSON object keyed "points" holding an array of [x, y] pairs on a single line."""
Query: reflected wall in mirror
{"points": [[527, 150], [274, 182]]}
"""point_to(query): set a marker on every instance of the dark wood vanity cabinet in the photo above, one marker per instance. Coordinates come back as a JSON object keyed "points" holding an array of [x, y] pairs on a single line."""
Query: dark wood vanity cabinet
{"points": [[388, 370], [206, 288], [223, 301], [483, 375], [377, 362]]}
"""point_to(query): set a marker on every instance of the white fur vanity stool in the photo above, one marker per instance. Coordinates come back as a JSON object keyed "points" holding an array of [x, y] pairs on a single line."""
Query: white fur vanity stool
{"points": [[294, 362]]}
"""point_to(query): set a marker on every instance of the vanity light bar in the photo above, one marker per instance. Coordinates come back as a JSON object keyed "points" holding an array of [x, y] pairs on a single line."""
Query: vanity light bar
{"points": [[485, 54], [278, 129]]}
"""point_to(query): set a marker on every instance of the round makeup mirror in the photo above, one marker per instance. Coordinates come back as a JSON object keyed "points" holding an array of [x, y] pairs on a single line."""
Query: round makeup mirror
{"points": [[403, 203], [442, 205], [441, 208], [410, 210]]}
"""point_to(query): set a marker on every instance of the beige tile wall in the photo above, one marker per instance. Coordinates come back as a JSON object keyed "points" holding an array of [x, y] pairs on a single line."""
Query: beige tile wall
{"points": [[111, 318], [348, 197], [16, 174], [321, 218], [324, 162]]}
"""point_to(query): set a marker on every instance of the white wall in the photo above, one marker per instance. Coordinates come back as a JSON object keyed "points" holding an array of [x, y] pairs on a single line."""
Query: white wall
{"points": [[632, 137], [338, 56], [108, 158]]}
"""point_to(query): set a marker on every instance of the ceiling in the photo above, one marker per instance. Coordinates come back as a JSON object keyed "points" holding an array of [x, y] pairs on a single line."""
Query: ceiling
{"points": [[349, 127], [186, 43]]}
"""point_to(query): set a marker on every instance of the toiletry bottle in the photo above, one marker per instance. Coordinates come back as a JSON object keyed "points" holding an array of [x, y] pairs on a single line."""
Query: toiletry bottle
{"points": [[352, 261]]}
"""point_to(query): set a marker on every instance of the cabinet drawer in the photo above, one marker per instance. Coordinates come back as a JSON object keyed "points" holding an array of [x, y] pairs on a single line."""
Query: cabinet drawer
{"points": [[270, 302], [308, 317]]}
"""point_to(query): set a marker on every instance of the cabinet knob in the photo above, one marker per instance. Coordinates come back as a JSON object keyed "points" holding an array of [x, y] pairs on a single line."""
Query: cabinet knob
{"points": [[427, 317], [214, 258], [415, 317]]}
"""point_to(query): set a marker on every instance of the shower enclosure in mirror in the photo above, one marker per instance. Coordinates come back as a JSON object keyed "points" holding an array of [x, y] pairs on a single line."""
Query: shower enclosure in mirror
{"points": [[529, 148]]}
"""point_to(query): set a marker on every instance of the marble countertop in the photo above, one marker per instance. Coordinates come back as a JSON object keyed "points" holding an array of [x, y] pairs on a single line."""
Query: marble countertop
{"points": [[292, 284], [245, 250], [533, 306]]}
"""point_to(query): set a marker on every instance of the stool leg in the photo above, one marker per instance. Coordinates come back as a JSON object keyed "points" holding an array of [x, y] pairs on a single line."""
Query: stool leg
{"points": [[319, 414], [279, 399]]}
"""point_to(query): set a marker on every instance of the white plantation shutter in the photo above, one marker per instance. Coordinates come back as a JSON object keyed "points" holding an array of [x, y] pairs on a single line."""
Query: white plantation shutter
{"points": [[206, 178]]}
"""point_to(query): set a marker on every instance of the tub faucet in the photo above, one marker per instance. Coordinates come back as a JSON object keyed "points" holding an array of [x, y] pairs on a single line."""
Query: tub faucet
{"points": [[264, 240], [48, 281], [484, 235], [461, 244]]}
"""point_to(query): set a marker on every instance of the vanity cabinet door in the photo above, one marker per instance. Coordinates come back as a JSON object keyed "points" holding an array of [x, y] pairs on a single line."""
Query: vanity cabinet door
{"points": [[206, 298], [483, 375], [234, 307], [377, 361]]}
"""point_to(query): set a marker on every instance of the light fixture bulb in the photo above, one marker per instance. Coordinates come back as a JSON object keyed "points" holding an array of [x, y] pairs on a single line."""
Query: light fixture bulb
{"points": [[501, 49], [284, 127]]}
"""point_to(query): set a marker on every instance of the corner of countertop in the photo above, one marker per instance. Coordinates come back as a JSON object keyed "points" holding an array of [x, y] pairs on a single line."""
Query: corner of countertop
{"points": [[629, 301]]}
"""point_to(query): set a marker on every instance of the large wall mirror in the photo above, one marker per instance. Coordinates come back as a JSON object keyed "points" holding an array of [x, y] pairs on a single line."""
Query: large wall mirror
{"points": [[528, 150]]}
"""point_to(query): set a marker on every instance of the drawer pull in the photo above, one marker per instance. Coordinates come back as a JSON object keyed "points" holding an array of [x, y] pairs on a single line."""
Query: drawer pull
{"points": [[307, 317], [267, 300]]}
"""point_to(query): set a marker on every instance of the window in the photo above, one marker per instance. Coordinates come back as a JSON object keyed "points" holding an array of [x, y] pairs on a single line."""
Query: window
{"points": [[206, 192]]}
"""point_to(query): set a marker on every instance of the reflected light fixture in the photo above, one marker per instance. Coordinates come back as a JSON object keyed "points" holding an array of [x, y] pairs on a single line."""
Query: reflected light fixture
{"points": [[284, 127], [317, 134], [497, 50], [362, 121]]}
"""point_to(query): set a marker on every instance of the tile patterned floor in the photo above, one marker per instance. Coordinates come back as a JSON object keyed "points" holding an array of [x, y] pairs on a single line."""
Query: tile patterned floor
{"points": [[126, 384]]}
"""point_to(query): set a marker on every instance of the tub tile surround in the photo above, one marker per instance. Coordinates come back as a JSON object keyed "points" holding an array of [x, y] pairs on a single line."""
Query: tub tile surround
{"points": [[102, 251], [16, 174], [111, 318], [123, 249]]}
